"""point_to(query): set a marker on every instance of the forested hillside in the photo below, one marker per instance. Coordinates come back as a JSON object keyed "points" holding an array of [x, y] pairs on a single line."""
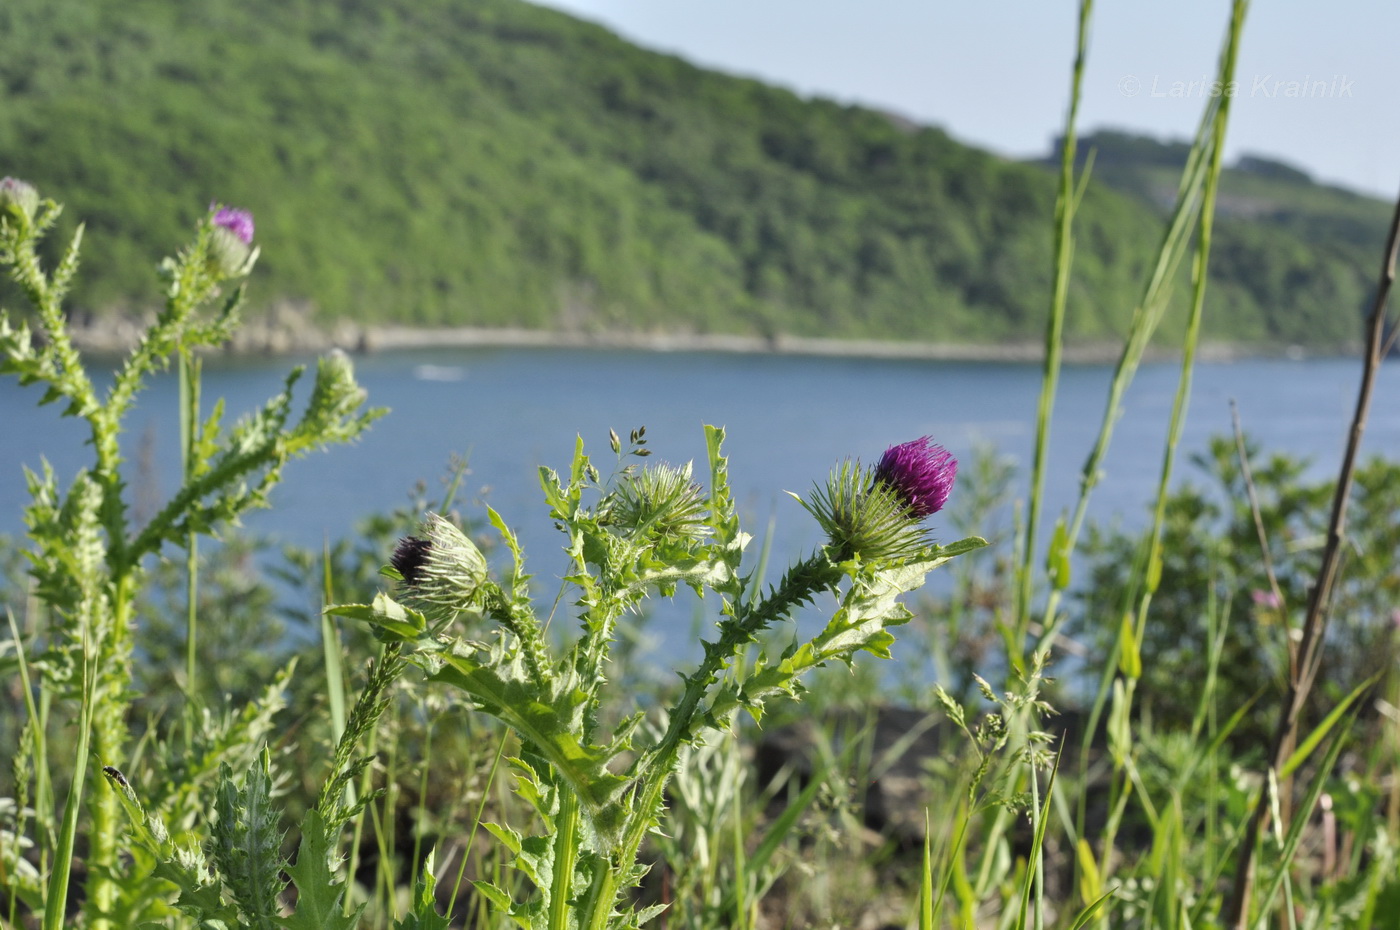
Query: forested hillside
{"points": [[492, 163], [1310, 250]]}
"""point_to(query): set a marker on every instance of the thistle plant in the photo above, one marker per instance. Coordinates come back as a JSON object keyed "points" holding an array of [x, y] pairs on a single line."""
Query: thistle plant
{"points": [[599, 791], [88, 558]]}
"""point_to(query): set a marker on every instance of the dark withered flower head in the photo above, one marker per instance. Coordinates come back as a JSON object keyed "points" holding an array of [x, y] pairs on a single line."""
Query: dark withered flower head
{"points": [[409, 557], [921, 473], [442, 569]]}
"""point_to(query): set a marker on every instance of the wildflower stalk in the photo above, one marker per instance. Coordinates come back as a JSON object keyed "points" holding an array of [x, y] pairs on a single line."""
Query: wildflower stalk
{"points": [[189, 372], [1065, 205], [566, 848], [109, 730], [1147, 316], [651, 530], [86, 559], [802, 583]]}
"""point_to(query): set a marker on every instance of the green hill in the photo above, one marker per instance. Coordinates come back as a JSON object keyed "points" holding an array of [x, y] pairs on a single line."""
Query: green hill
{"points": [[1312, 250], [492, 163]]}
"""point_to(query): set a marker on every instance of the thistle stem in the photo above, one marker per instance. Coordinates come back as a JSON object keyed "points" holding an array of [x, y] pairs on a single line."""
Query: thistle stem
{"points": [[526, 628], [566, 824], [801, 584]]}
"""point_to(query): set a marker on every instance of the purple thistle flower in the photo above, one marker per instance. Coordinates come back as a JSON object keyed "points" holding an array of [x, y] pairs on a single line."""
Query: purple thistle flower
{"points": [[921, 473], [238, 222]]}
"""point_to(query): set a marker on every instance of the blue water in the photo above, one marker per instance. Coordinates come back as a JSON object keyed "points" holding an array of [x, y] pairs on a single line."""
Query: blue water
{"points": [[789, 420]]}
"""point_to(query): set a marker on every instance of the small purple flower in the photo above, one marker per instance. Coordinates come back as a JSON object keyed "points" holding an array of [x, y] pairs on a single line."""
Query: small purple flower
{"points": [[921, 473], [231, 250], [1265, 599], [238, 222]]}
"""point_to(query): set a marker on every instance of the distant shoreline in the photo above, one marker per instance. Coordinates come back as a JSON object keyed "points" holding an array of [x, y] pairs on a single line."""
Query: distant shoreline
{"points": [[280, 334], [407, 338]]}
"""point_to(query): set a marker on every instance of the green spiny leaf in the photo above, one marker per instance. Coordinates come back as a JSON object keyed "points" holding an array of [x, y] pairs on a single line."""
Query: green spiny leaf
{"points": [[509, 838], [391, 620], [248, 844], [423, 913], [182, 866], [498, 898], [551, 727], [319, 895]]}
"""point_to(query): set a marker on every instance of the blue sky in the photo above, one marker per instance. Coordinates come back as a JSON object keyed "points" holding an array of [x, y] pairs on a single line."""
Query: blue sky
{"points": [[1319, 83]]}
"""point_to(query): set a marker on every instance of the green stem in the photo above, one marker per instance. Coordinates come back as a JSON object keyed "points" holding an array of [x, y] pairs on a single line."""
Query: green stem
{"points": [[1149, 312], [1054, 330], [598, 907], [56, 894], [566, 826], [108, 726], [801, 583], [191, 617], [71, 378], [505, 610], [189, 424]]}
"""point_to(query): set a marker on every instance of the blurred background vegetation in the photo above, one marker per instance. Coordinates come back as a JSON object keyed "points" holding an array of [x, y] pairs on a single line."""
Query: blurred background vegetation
{"points": [[491, 163]]}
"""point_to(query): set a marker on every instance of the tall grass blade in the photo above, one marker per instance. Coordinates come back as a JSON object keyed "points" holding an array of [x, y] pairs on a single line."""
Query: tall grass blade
{"points": [[1090, 912], [1054, 329], [926, 878], [331, 649], [1319, 733], [1033, 889], [56, 894], [1294, 836]]}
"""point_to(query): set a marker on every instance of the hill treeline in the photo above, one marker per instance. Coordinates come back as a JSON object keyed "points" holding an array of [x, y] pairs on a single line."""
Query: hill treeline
{"points": [[493, 163]]}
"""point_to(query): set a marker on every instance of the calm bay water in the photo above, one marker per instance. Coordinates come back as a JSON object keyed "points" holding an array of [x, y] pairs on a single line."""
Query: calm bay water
{"points": [[789, 419]]}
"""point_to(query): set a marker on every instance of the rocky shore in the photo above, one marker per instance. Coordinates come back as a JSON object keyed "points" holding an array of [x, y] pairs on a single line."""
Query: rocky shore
{"points": [[288, 328]]}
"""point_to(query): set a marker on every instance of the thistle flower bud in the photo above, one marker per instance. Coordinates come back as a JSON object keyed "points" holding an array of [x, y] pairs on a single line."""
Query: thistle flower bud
{"points": [[336, 397], [875, 513], [17, 195], [442, 569], [231, 248], [661, 500]]}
